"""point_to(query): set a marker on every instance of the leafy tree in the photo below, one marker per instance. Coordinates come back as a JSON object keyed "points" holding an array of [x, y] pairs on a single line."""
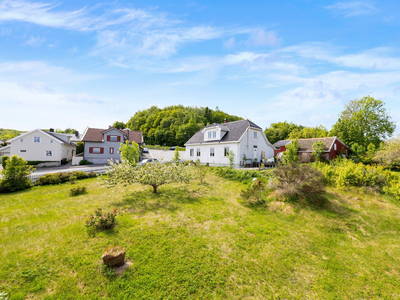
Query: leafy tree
{"points": [[389, 153], [231, 157], [130, 152], [80, 147], [290, 155], [8, 134], [119, 125], [371, 149], [309, 133], [15, 175], [177, 157], [155, 174], [364, 121], [4, 161], [201, 170], [280, 131], [67, 130], [318, 150]]}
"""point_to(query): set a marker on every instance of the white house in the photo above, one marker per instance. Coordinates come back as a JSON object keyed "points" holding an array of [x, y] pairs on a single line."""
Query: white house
{"points": [[244, 138], [41, 145]]}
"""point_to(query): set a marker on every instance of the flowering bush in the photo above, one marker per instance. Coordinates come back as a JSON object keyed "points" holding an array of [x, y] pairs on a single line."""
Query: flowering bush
{"points": [[100, 220], [254, 193]]}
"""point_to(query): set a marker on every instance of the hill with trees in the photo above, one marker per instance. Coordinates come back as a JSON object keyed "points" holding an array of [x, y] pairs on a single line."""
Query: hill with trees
{"points": [[174, 125], [7, 134]]}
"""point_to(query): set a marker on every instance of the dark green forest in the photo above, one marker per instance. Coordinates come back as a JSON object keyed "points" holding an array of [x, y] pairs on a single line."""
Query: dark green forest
{"points": [[174, 125]]}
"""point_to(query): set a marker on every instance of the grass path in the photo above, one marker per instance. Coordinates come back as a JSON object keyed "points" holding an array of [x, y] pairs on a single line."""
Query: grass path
{"points": [[198, 242]]}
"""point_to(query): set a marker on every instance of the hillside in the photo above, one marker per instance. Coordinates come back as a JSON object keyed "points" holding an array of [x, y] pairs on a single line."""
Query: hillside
{"points": [[199, 242], [6, 134], [174, 125]]}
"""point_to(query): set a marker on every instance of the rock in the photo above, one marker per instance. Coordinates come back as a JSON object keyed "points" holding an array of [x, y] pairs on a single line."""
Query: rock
{"points": [[114, 256]]}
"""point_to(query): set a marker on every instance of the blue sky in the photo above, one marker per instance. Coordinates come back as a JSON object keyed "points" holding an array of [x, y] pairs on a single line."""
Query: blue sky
{"points": [[68, 64]]}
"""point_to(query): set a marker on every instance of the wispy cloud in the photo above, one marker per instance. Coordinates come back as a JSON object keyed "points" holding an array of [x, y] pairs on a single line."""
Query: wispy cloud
{"points": [[35, 40], [82, 98], [260, 37], [352, 8]]}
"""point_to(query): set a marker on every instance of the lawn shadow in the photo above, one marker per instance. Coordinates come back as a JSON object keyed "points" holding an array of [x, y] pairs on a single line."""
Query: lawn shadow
{"points": [[141, 202]]}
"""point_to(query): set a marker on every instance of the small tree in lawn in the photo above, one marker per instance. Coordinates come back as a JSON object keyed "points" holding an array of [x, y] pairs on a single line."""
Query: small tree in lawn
{"points": [[130, 152], [318, 150], [231, 157], [15, 175], [155, 174], [177, 157], [201, 170], [290, 155]]}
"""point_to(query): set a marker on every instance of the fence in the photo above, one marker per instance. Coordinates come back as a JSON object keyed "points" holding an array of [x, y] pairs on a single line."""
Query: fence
{"points": [[99, 170]]}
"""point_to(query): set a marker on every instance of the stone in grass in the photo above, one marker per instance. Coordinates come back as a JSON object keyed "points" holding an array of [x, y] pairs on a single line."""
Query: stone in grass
{"points": [[114, 256]]}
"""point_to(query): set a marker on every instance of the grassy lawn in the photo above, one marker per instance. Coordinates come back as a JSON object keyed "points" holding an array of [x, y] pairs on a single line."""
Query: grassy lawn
{"points": [[198, 242]]}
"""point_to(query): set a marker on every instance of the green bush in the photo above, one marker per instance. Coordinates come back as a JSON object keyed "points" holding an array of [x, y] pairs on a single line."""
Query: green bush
{"points": [[297, 182], [57, 178], [4, 161], [100, 220], [244, 176], [343, 172], [254, 194], [77, 191], [15, 175], [85, 162]]}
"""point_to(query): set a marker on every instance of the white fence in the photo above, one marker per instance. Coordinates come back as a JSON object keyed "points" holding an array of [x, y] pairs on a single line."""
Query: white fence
{"points": [[97, 170]]}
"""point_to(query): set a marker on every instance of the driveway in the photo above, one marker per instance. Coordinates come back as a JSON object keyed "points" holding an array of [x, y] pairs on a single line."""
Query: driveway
{"points": [[66, 168]]}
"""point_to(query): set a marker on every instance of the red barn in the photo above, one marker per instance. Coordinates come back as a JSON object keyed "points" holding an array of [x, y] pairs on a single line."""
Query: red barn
{"points": [[333, 148]]}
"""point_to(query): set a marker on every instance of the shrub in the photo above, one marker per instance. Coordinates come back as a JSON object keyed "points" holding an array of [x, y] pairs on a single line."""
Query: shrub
{"points": [[100, 220], [245, 176], [254, 193], [85, 162], [4, 161], [57, 178], [15, 175], [77, 191], [294, 181]]}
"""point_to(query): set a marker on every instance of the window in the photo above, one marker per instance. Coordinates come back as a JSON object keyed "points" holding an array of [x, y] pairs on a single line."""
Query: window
{"points": [[111, 150], [113, 138], [212, 152], [21, 140], [36, 139], [334, 147], [22, 151], [255, 135], [49, 152], [191, 152], [209, 134], [51, 141], [96, 150], [198, 152], [67, 152], [226, 151], [214, 134]]}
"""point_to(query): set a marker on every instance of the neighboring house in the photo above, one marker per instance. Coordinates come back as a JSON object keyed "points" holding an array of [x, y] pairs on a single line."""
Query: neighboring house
{"points": [[41, 145], [333, 148], [212, 144], [103, 144]]}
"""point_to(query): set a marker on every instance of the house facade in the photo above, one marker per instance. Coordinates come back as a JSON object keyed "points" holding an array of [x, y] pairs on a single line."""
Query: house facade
{"points": [[333, 147], [41, 145], [100, 145], [212, 144]]}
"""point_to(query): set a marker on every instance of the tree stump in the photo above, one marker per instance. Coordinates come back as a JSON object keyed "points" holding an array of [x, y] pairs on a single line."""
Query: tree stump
{"points": [[114, 256]]}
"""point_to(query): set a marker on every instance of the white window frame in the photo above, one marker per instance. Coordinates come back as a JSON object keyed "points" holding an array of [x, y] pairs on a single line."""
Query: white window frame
{"points": [[226, 151], [191, 152], [111, 150], [38, 139], [212, 151], [51, 141], [94, 150], [209, 134], [198, 152], [334, 147], [214, 134], [21, 140], [112, 137], [48, 152]]}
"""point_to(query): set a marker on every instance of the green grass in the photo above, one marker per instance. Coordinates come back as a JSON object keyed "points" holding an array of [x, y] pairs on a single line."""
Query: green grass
{"points": [[198, 242]]}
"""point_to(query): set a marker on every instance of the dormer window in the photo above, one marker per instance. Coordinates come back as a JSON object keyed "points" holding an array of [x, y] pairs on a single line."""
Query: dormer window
{"points": [[212, 134]]}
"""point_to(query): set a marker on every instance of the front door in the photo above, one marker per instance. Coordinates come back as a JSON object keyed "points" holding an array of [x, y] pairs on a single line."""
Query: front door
{"points": [[255, 156]]}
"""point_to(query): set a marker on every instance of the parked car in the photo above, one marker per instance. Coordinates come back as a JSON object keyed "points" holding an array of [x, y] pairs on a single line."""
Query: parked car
{"points": [[145, 150], [147, 161], [172, 148]]}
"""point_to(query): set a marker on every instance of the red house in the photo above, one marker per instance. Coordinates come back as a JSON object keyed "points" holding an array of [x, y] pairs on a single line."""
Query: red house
{"points": [[333, 148]]}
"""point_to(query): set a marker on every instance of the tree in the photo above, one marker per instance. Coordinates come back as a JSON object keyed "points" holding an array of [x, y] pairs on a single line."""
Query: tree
{"points": [[318, 150], [389, 154], [364, 121], [290, 155], [119, 125], [281, 131], [201, 170], [4, 161], [80, 146], [177, 157], [309, 133], [130, 152], [67, 130], [14, 177], [154, 174], [231, 156]]}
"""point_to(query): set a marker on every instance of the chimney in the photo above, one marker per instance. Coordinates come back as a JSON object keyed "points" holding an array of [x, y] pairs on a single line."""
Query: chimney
{"points": [[51, 129], [225, 121], [109, 126], [76, 134]]}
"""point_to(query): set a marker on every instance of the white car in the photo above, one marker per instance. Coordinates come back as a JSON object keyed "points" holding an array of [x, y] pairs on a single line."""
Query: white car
{"points": [[147, 161]]}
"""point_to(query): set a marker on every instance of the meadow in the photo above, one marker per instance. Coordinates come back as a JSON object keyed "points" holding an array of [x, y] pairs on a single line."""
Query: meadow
{"points": [[198, 241]]}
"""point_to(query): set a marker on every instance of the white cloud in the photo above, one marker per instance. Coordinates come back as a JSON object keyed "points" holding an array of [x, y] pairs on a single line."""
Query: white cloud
{"points": [[229, 43], [353, 8], [35, 40], [262, 38]]}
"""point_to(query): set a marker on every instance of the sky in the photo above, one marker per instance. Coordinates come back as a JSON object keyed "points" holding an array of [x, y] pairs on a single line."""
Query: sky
{"points": [[89, 63]]}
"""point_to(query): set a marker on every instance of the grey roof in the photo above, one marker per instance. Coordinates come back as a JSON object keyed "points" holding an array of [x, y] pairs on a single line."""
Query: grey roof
{"points": [[57, 138], [280, 143], [235, 130]]}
